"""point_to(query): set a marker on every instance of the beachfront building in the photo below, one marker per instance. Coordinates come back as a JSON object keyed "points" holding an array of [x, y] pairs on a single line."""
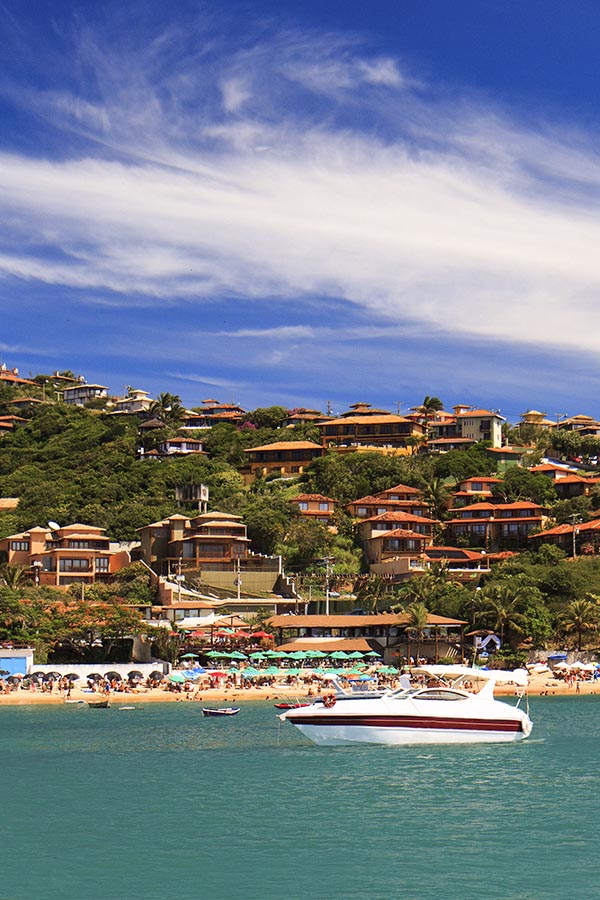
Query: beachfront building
{"points": [[388, 634], [74, 554], [368, 427], [496, 525], [282, 458]]}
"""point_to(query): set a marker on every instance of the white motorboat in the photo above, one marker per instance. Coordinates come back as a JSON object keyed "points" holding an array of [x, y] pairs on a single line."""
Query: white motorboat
{"points": [[445, 713]]}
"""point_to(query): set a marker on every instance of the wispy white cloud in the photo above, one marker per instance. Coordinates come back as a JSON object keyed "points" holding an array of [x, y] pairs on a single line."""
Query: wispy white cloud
{"points": [[216, 179]]}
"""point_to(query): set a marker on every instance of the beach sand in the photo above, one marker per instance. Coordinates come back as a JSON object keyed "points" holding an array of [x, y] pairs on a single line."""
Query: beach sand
{"points": [[543, 684]]}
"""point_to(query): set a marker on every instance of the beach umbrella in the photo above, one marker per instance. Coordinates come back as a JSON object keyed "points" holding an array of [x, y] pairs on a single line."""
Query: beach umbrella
{"points": [[237, 654], [156, 676], [271, 670], [373, 653], [72, 676], [261, 634], [356, 654], [241, 634], [189, 656], [367, 678], [13, 679], [52, 676], [113, 676], [94, 676], [257, 655], [249, 672], [339, 654], [176, 678]]}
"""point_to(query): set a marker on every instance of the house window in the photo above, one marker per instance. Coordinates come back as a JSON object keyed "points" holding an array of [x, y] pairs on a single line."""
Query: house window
{"points": [[381, 510], [362, 511], [19, 545], [74, 565], [303, 505], [476, 486], [324, 507], [102, 564]]}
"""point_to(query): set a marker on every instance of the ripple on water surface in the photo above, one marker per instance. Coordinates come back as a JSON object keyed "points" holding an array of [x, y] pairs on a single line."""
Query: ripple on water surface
{"points": [[161, 803]]}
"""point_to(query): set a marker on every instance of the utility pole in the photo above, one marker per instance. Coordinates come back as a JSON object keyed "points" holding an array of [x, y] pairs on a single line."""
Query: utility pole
{"points": [[179, 579], [574, 521], [328, 560], [238, 579]]}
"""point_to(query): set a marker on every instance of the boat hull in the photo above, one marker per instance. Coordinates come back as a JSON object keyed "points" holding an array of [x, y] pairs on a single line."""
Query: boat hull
{"points": [[386, 721], [335, 733]]}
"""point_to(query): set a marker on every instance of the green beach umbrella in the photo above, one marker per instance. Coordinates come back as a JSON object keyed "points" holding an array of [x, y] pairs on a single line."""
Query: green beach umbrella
{"points": [[316, 654], [257, 655], [189, 656], [372, 653], [177, 679], [339, 654], [356, 654], [237, 654], [271, 670]]}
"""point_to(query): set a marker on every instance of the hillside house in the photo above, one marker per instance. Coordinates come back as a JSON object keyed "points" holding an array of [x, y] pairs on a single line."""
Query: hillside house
{"points": [[73, 554], [316, 507], [494, 526], [282, 458]]}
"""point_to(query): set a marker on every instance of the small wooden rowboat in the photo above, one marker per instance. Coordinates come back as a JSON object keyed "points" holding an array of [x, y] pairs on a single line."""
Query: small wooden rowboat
{"points": [[98, 704], [222, 711]]}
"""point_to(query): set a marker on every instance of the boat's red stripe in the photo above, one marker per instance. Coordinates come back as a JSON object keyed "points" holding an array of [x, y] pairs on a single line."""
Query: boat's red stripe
{"points": [[505, 725]]}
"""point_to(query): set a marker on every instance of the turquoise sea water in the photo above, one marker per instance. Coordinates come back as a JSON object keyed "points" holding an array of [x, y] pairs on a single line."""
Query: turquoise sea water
{"points": [[161, 803]]}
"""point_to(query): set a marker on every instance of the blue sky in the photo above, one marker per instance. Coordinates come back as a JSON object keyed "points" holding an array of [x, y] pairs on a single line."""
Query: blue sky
{"points": [[305, 202]]}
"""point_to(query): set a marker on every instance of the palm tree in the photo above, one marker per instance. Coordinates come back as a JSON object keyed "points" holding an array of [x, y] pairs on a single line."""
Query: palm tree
{"points": [[12, 576], [167, 407], [581, 615], [501, 605], [374, 594], [418, 619], [436, 494]]}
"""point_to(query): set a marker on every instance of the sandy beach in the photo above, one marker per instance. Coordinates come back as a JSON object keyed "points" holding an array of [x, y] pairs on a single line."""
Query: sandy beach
{"points": [[543, 684]]}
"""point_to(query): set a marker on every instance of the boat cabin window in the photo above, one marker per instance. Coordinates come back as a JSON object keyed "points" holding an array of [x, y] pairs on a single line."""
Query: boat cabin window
{"points": [[439, 694]]}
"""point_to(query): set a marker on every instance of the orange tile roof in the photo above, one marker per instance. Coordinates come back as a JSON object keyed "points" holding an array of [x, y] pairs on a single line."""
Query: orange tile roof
{"points": [[399, 533], [476, 413], [287, 445], [365, 420], [398, 516], [315, 497]]}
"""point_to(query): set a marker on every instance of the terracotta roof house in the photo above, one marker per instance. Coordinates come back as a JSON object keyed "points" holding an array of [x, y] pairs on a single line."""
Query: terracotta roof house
{"points": [[211, 412], [574, 538], [73, 554], [317, 507], [282, 458], [11, 376], [181, 446], [496, 526], [470, 489], [366, 426], [399, 498]]}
